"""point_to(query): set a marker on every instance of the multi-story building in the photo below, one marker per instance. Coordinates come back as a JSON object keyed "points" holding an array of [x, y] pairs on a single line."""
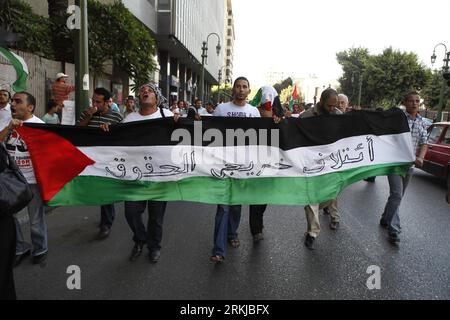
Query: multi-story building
{"points": [[179, 28], [229, 46]]}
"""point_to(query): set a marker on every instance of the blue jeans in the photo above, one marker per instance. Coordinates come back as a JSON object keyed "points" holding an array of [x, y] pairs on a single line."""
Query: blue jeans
{"points": [[38, 227], [397, 187], [108, 213], [153, 235], [226, 225]]}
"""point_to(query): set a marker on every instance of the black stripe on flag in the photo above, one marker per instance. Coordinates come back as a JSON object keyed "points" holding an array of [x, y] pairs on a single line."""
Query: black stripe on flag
{"points": [[294, 133]]}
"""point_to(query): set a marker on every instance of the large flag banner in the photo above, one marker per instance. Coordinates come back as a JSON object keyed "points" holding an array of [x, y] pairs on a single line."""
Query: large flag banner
{"points": [[21, 68], [218, 160]]}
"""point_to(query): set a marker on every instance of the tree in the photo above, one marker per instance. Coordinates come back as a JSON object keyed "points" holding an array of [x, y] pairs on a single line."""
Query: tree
{"points": [[116, 35], [392, 74], [354, 62], [385, 77], [33, 30], [432, 91], [62, 42]]}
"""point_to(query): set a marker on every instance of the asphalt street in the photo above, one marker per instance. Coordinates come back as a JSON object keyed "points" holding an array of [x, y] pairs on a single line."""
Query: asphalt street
{"points": [[279, 267]]}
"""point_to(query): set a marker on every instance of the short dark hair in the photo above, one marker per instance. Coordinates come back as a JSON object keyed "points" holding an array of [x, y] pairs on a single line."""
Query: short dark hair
{"points": [[51, 104], [239, 79], [130, 98], [31, 100], [103, 92], [410, 93], [327, 94], [196, 100], [9, 93]]}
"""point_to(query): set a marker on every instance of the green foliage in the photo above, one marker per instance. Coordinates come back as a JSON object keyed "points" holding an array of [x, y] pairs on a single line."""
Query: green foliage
{"points": [[385, 77], [62, 41], [116, 35], [34, 30], [432, 90]]}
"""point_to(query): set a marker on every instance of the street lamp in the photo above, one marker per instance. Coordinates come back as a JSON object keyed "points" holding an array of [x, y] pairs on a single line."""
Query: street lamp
{"points": [[360, 82], [204, 61], [220, 79], [446, 77]]}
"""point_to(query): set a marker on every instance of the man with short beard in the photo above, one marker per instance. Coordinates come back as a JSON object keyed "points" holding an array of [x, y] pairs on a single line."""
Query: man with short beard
{"points": [[228, 217], [22, 108]]}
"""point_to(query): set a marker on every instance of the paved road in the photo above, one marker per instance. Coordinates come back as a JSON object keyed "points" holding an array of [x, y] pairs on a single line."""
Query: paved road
{"points": [[280, 267]]}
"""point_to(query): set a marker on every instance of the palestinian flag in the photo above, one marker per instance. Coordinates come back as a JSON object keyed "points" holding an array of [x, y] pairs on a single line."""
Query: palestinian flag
{"points": [[218, 160], [21, 68]]}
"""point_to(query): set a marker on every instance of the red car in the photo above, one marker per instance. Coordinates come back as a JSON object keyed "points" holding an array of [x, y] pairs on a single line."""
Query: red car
{"points": [[437, 159]]}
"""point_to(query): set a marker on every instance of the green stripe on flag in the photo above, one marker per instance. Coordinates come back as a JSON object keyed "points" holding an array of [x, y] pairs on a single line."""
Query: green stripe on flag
{"points": [[21, 69], [88, 190]]}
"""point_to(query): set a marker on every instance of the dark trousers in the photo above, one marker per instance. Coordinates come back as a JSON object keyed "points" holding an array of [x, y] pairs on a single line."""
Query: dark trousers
{"points": [[257, 218], [7, 255], [108, 213], [153, 235]]}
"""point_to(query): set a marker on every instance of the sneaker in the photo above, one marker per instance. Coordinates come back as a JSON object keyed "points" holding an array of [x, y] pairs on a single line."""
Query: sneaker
{"points": [[394, 238], [258, 237], [309, 242], [334, 225], [40, 258]]}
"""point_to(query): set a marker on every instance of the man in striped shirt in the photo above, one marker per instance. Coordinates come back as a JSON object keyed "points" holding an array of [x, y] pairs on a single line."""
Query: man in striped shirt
{"points": [[96, 116], [61, 90]]}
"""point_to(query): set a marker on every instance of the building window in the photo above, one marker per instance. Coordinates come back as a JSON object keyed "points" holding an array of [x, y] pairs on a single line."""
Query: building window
{"points": [[163, 5]]}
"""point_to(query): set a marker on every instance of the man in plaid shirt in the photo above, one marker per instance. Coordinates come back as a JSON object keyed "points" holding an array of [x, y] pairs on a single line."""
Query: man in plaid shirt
{"points": [[397, 184]]}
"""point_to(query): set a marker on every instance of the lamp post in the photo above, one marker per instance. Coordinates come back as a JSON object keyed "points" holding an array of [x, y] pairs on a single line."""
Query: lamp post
{"points": [[360, 82], [204, 61], [446, 77], [82, 61], [220, 79]]}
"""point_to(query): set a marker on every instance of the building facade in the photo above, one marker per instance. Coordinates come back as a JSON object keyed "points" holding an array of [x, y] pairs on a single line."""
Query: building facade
{"points": [[229, 45], [179, 28]]}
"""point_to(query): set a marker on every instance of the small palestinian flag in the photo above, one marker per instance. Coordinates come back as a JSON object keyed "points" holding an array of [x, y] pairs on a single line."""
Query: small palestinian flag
{"points": [[218, 160], [21, 68]]}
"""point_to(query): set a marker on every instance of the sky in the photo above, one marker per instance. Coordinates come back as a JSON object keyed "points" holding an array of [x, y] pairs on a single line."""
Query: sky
{"points": [[302, 37]]}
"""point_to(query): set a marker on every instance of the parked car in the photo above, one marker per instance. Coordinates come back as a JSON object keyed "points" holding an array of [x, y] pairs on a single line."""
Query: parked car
{"points": [[437, 159]]}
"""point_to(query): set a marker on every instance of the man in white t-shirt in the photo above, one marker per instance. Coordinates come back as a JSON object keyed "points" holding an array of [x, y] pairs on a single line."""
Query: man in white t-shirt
{"points": [[5, 108], [150, 100], [228, 217], [22, 107]]}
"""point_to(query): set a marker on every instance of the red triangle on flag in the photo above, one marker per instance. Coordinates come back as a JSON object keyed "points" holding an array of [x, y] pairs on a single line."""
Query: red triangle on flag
{"points": [[55, 160], [295, 94]]}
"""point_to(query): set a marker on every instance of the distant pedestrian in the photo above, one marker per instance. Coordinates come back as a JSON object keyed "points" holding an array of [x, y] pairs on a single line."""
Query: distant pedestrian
{"points": [[51, 117], [130, 106], [61, 90], [5, 108]]}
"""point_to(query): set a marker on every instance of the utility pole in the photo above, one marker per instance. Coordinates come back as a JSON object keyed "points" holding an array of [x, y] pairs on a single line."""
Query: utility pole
{"points": [[81, 61], [360, 89]]}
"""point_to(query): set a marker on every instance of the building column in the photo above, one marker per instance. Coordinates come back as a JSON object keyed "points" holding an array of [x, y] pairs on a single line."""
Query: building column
{"points": [[164, 79], [182, 91]]}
